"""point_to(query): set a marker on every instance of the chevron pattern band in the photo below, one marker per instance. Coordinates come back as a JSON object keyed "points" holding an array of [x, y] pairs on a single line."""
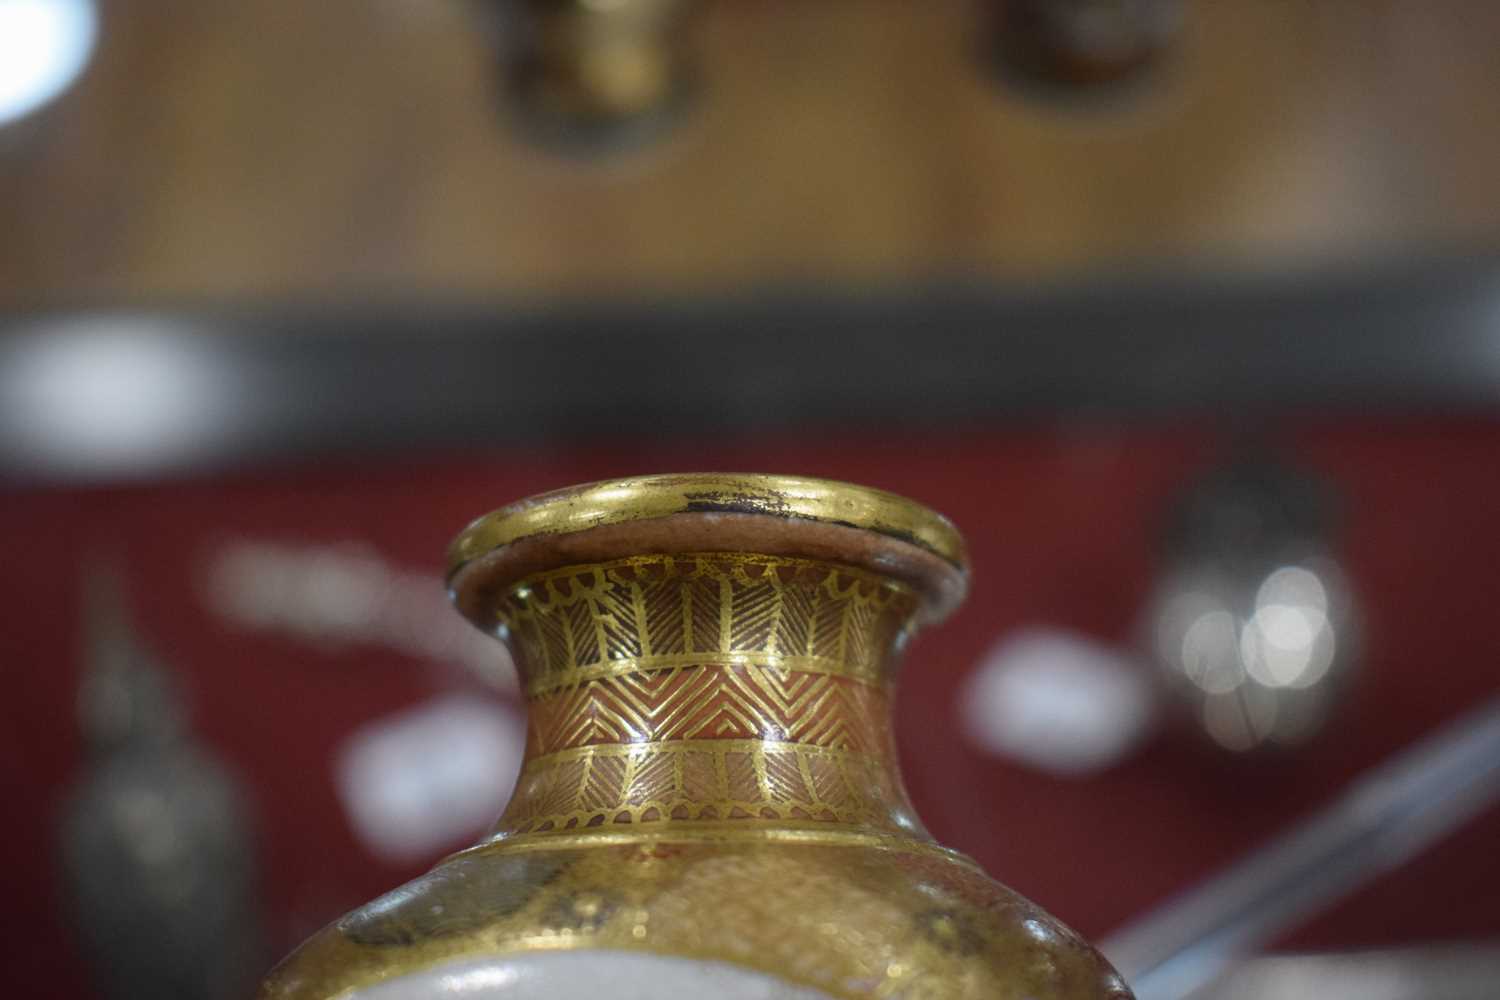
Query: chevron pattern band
{"points": [[650, 612], [708, 686]]}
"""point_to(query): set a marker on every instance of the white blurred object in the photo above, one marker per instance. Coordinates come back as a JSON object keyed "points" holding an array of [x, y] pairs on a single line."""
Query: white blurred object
{"points": [[582, 974], [1057, 701], [44, 46], [343, 593], [432, 778], [123, 396]]}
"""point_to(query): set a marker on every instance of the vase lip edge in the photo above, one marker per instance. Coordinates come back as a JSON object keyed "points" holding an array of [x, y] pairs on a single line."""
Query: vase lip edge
{"points": [[580, 507]]}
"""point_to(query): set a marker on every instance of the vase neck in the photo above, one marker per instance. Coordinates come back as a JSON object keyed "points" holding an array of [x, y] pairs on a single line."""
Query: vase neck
{"points": [[707, 687]]}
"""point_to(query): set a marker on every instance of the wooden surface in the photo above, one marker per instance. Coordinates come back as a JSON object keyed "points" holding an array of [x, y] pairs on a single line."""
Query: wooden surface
{"points": [[350, 149]]}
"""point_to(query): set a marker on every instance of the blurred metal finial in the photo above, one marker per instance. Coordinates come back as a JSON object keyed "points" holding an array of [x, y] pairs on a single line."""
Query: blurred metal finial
{"points": [[126, 699], [156, 848], [1075, 46], [595, 75], [1253, 625]]}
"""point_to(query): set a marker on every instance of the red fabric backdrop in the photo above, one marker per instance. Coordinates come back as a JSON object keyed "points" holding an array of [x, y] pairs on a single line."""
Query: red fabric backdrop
{"points": [[1062, 526]]}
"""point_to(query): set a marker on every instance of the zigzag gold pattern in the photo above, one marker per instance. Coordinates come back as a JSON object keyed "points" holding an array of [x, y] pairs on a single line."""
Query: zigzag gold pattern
{"points": [[651, 612], [713, 701], [603, 786], [706, 687]]}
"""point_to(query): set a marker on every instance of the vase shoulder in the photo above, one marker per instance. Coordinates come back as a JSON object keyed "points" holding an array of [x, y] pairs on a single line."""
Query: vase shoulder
{"points": [[849, 920]]}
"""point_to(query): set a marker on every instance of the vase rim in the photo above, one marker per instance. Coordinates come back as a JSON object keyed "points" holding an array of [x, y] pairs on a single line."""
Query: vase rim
{"points": [[640, 498], [774, 515]]}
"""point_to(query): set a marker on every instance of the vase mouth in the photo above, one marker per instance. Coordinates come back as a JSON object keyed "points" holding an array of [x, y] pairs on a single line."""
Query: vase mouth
{"points": [[710, 512]]}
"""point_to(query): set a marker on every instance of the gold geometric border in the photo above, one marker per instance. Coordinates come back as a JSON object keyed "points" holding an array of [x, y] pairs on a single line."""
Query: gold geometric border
{"points": [[581, 623], [713, 701], [751, 781]]}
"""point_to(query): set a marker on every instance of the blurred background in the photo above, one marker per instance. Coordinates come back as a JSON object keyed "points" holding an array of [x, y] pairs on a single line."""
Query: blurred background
{"points": [[1188, 314]]}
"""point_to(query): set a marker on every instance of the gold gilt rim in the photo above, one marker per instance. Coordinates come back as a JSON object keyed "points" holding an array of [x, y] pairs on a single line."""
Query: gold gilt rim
{"points": [[641, 498]]}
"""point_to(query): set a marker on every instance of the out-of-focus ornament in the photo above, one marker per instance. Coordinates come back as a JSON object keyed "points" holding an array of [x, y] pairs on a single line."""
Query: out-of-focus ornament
{"points": [[710, 803], [157, 850], [1253, 624], [594, 75], [1081, 45]]}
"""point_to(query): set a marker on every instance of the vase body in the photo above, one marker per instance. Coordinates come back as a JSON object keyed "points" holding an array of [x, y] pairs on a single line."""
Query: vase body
{"points": [[710, 802]]}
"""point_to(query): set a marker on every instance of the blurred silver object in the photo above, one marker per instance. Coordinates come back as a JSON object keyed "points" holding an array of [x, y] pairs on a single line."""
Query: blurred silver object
{"points": [[1388, 816], [1254, 625], [156, 847]]}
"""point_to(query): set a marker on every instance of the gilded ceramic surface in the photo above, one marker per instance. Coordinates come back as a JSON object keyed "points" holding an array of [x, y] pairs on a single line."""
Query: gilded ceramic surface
{"points": [[710, 774], [711, 686], [855, 922], [649, 612]]}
